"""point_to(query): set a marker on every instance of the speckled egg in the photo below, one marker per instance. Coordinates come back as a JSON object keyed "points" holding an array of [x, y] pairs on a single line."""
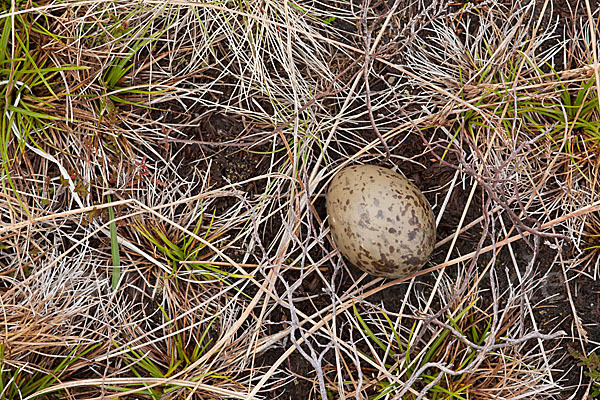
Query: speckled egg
{"points": [[380, 221]]}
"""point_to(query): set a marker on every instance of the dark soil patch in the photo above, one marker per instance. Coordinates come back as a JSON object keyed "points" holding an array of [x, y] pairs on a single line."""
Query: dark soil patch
{"points": [[557, 313]]}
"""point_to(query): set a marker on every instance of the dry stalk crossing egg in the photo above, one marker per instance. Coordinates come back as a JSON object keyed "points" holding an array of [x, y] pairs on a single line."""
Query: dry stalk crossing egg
{"points": [[380, 221]]}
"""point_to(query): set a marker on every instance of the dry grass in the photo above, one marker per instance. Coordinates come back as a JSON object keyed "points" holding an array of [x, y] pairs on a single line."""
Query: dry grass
{"points": [[211, 130]]}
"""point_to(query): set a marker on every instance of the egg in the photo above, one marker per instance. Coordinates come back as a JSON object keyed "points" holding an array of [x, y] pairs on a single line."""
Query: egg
{"points": [[380, 221]]}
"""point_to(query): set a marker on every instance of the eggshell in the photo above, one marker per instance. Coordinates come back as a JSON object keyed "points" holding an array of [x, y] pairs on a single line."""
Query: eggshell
{"points": [[380, 221]]}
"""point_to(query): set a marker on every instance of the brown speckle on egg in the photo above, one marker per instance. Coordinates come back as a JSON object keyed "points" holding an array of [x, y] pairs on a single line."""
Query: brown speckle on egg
{"points": [[399, 239]]}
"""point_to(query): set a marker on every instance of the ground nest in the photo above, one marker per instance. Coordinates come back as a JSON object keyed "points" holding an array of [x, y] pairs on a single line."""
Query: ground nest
{"points": [[163, 230]]}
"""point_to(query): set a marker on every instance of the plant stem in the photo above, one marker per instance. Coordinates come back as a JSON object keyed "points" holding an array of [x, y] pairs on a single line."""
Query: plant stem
{"points": [[114, 245]]}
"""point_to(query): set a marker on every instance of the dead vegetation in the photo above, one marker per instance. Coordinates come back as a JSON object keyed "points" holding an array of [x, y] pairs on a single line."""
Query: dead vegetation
{"points": [[162, 232]]}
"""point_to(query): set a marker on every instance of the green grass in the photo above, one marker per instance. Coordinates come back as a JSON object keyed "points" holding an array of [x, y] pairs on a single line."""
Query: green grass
{"points": [[114, 246], [446, 348], [30, 89], [133, 39], [178, 246], [536, 103], [591, 363], [26, 380], [185, 347]]}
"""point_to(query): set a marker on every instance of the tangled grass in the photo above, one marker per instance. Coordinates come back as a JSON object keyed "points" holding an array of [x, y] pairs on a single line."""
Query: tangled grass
{"points": [[163, 172]]}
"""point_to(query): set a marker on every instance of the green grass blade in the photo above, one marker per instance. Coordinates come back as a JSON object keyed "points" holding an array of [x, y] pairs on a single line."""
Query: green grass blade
{"points": [[114, 246]]}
